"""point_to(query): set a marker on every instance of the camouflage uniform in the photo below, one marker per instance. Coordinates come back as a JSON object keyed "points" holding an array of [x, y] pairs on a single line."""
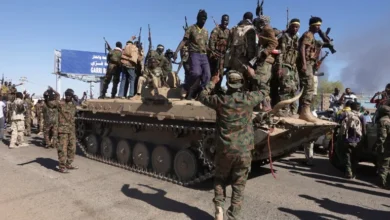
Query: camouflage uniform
{"points": [[28, 118], [234, 142], [113, 71], [50, 118], [17, 110], [218, 42], [268, 42], [151, 76], [383, 146], [198, 60], [306, 79], [39, 115], [286, 61], [66, 146]]}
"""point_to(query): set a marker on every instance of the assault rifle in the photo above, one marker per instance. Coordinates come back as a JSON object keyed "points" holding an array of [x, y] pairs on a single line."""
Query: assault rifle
{"points": [[327, 40], [150, 39], [216, 24], [139, 43], [106, 45], [186, 26], [319, 62]]}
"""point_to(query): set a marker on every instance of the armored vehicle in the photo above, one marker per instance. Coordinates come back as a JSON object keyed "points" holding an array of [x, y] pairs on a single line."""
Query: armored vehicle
{"points": [[172, 139]]}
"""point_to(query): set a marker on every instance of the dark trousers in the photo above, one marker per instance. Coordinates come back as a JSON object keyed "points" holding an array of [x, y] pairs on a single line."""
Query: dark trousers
{"points": [[199, 70], [2, 128]]}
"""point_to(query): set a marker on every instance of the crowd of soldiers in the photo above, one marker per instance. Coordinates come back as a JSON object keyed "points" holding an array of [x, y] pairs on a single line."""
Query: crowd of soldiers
{"points": [[55, 120], [262, 64]]}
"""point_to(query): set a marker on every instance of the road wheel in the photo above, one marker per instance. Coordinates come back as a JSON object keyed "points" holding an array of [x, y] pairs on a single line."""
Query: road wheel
{"points": [[123, 151], [161, 159], [92, 144], [141, 155], [185, 165], [107, 148]]}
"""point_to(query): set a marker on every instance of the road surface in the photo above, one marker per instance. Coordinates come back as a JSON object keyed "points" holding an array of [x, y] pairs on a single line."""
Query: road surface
{"points": [[31, 188]]}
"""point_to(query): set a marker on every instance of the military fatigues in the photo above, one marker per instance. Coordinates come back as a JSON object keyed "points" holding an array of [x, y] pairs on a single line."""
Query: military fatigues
{"points": [[306, 78], [218, 43], [234, 142], [150, 76], [66, 146], [28, 118], [198, 60], [113, 71], [267, 42], [242, 49], [286, 62], [39, 115], [17, 110], [50, 118], [383, 146]]}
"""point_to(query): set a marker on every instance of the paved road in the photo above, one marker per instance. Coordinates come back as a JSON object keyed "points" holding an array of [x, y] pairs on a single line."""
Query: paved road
{"points": [[31, 188]]}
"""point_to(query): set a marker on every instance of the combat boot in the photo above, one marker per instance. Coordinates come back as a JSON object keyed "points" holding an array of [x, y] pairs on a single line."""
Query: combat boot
{"points": [[305, 114], [218, 213]]}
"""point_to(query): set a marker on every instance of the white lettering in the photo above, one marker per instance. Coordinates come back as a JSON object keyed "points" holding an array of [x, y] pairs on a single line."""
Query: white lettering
{"points": [[97, 70]]}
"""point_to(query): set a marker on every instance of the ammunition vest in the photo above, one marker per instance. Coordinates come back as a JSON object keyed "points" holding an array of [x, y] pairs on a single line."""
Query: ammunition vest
{"points": [[290, 52], [130, 53]]}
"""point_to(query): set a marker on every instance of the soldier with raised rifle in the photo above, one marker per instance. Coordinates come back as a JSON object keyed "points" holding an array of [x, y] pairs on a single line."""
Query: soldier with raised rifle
{"points": [[113, 70], [307, 57], [218, 44]]}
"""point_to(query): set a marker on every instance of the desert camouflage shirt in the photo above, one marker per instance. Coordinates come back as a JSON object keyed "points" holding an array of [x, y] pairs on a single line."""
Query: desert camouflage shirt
{"points": [[288, 45], [197, 39], [307, 39], [50, 113], [234, 118], [66, 116]]}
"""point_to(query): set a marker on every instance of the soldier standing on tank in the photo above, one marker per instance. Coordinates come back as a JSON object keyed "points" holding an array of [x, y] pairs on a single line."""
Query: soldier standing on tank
{"points": [[197, 38], [17, 111], [28, 114], [265, 58], [305, 64], [66, 144], [234, 137], [39, 114], [383, 144], [130, 59], [285, 66], [242, 44], [50, 115], [218, 44], [113, 70]]}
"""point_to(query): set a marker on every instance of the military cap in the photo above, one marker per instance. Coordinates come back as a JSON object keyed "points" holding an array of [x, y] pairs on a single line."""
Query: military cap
{"points": [[235, 79]]}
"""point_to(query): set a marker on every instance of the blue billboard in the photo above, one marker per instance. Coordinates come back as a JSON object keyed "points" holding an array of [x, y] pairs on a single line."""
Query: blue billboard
{"points": [[83, 62]]}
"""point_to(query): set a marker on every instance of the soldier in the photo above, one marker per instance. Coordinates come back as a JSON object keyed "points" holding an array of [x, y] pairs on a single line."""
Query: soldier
{"points": [[197, 37], [305, 64], [266, 48], [50, 115], [152, 75], [4, 88], [218, 44], [235, 138], [130, 59], [161, 59], [351, 132], [285, 66], [242, 45], [383, 144], [39, 114], [172, 78], [66, 145], [17, 110], [28, 114], [113, 70]]}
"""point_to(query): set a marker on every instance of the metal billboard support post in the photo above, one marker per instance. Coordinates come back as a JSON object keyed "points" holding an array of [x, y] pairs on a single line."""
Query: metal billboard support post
{"points": [[57, 60]]}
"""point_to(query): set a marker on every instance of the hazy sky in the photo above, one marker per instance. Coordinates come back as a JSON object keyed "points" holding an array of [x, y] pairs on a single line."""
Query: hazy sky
{"points": [[32, 30]]}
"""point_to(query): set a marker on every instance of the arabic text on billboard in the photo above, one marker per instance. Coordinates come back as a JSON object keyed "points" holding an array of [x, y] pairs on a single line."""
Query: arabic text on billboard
{"points": [[83, 62]]}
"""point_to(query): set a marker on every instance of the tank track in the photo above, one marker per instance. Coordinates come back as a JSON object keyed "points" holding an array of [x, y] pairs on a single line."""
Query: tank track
{"points": [[199, 149]]}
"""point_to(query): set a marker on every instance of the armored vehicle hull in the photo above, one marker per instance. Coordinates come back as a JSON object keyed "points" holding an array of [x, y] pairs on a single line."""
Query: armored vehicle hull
{"points": [[173, 139]]}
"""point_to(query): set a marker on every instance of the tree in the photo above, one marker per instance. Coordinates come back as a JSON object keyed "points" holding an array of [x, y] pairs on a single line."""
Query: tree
{"points": [[325, 87]]}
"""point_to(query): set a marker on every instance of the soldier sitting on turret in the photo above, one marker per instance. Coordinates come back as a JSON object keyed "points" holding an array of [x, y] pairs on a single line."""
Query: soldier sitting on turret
{"points": [[152, 77]]}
